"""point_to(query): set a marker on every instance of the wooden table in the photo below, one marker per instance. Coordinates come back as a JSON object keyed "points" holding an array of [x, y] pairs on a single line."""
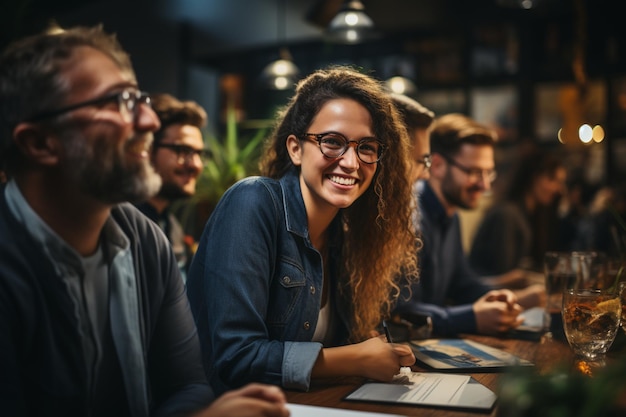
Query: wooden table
{"points": [[545, 354]]}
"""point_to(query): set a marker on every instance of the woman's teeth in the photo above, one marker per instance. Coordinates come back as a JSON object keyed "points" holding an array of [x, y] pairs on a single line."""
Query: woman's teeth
{"points": [[342, 180]]}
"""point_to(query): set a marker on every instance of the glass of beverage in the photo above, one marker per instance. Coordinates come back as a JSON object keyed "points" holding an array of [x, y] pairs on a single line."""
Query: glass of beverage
{"points": [[591, 320], [566, 270]]}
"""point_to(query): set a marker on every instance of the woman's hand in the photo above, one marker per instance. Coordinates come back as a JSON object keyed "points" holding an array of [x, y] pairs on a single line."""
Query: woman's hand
{"points": [[373, 358], [382, 360]]}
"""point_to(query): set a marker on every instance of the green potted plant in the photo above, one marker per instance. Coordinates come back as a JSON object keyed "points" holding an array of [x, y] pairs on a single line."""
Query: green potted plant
{"points": [[564, 392], [232, 159]]}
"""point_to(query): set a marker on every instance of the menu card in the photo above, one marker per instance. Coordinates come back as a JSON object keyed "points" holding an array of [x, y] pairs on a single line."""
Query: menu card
{"points": [[463, 355]]}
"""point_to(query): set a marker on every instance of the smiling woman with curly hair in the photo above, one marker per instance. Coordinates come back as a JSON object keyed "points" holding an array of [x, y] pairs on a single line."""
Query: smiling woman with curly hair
{"points": [[297, 268]]}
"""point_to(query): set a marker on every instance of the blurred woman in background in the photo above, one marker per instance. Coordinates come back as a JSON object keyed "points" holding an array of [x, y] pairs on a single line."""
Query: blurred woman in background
{"points": [[522, 222]]}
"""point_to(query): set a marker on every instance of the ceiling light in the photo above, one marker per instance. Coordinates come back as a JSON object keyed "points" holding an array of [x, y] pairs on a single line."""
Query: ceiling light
{"points": [[351, 24], [520, 4], [281, 74], [401, 85]]}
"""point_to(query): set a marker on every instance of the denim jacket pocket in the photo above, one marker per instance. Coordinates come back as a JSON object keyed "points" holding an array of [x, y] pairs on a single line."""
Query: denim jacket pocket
{"points": [[286, 294]]}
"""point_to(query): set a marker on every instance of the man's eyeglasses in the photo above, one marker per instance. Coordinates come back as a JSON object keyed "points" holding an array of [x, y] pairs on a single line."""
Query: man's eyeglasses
{"points": [[184, 153], [427, 161], [333, 145], [128, 101], [474, 174]]}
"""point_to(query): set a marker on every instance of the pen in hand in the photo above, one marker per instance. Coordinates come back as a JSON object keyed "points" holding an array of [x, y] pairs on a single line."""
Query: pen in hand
{"points": [[387, 334], [403, 376]]}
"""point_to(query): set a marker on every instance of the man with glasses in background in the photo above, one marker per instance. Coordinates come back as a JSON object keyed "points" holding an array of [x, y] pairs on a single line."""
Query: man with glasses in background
{"points": [[448, 291], [93, 313], [417, 119], [177, 156]]}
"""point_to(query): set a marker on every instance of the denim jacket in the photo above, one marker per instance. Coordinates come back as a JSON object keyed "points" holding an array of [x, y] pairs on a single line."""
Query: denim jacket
{"points": [[255, 287]]}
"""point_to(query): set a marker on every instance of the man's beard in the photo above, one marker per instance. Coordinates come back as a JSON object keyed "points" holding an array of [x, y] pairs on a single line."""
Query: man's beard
{"points": [[172, 191], [105, 172], [452, 192]]}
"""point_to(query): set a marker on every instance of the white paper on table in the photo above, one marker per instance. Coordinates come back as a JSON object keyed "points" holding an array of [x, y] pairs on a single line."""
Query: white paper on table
{"points": [[428, 389], [299, 410], [533, 319], [424, 388]]}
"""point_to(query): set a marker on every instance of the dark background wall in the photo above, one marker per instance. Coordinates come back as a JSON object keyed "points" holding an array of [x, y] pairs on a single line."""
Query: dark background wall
{"points": [[461, 54]]}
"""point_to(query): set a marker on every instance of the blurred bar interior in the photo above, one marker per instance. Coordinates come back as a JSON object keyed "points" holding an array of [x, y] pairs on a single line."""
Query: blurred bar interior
{"points": [[550, 72]]}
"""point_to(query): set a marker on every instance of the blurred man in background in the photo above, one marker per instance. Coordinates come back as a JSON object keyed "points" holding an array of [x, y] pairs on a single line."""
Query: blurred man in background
{"points": [[177, 156], [417, 119], [449, 291]]}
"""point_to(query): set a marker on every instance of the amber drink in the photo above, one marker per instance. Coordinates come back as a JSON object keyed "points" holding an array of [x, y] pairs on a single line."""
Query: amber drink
{"points": [[591, 319]]}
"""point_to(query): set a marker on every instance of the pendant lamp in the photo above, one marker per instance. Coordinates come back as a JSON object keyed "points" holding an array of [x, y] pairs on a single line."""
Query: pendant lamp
{"points": [[401, 85], [351, 25], [281, 74]]}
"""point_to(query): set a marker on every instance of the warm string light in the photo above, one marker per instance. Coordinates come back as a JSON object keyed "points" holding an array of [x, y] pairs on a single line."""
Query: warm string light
{"points": [[584, 133]]}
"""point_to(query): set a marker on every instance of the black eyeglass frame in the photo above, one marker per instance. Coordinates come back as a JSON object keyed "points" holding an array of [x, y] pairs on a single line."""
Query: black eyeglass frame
{"points": [[491, 175], [122, 97], [319, 137], [184, 152]]}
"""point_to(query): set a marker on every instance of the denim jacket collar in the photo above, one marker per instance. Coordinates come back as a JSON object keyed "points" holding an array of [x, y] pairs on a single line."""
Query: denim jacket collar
{"points": [[295, 211]]}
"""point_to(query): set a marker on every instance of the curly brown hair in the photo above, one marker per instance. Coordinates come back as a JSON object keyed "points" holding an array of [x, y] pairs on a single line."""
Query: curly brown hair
{"points": [[172, 111], [379, 241]]}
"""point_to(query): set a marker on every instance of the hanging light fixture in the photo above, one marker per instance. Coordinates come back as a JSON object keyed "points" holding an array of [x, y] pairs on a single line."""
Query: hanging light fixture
{"points": [[402, 69], [351, 24], [523, 4], [282, 73], [401, 85]]}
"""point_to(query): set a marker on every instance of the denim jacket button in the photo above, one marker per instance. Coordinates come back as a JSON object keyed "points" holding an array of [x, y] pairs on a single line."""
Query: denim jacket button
{"points": [[312, 289], [306, 325], [286, 279]]}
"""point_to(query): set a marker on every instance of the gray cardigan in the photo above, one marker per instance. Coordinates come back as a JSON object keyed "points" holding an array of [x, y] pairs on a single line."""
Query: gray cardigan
{"points": [[41, 358]]}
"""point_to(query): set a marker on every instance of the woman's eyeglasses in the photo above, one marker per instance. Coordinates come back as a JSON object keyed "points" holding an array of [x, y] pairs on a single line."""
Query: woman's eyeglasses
{"points": [[333, 145]]}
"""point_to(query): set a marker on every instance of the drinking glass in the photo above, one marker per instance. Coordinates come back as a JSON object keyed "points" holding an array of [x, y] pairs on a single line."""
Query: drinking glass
{"points": [[591, 320], [566, 270]]}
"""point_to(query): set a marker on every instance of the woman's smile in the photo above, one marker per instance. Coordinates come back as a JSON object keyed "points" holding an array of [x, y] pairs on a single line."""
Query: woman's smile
{"points": [[342, 180]]}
